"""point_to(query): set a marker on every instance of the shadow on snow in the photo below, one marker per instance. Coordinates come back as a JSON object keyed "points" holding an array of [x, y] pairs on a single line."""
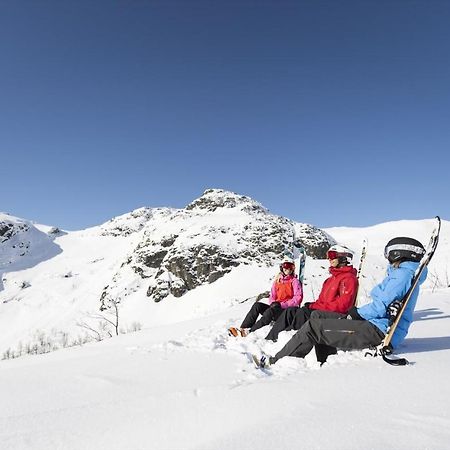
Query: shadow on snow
{"points": [[429, 314], [425, 344], [44, 249]]}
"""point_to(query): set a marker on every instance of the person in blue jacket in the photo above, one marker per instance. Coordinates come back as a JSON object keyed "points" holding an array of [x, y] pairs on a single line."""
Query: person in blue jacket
{"points": [[367, 325]]}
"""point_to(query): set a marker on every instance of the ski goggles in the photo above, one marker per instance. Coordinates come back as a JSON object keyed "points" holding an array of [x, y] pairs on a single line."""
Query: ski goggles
{"points": [[288, 266]]}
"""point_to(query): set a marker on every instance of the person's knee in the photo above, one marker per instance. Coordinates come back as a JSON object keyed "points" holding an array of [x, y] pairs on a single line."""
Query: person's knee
{"points": [[318, 314], [291, 311], [259, 307], [268, 315], [313, 327]]}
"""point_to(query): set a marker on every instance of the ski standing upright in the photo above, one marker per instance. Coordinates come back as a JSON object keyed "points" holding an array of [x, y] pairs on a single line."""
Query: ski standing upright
{"points": [[301, 265]]}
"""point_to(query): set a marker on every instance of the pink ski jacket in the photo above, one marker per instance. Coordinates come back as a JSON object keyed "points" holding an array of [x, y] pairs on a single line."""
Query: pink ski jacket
{"points": [[287, 291]]}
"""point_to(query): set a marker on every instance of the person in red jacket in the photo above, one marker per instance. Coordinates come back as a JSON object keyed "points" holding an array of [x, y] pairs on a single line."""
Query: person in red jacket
{"points": [[286, 293], [338, 293]]}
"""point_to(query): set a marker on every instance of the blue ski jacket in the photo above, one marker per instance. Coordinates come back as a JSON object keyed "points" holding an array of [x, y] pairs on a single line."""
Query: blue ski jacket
{"points": [[393, 287]]}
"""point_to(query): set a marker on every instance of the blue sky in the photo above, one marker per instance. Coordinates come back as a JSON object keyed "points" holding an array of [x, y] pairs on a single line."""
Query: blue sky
{"points": [[327, 112]]}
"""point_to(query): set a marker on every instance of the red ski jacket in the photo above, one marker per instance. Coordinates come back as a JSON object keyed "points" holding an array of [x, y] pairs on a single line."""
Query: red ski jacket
{"points": [[339, 291]]}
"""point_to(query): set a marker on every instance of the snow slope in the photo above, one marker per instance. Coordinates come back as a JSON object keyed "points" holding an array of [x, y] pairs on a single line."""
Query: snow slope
{"points": [[53, 293], [183, 383], [190, 386]]}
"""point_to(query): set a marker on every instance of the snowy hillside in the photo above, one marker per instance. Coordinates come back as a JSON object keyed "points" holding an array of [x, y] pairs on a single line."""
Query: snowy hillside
{"points": [[162, 265], [183, 383]]}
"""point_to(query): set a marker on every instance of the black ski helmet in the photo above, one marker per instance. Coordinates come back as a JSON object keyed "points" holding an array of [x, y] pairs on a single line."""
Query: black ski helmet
{"points": [[404, 249]]}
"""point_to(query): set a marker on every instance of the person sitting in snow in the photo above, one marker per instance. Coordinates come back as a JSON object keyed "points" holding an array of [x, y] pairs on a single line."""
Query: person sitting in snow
{"points": [[338, 293], [367, 325], [286, 293]]}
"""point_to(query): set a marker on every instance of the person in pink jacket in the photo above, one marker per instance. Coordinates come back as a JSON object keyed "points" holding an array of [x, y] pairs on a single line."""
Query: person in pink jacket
{"points": [[286, 293]]}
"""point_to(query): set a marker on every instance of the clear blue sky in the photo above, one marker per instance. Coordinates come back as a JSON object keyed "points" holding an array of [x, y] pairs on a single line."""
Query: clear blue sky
{"points": [[327, 112]]}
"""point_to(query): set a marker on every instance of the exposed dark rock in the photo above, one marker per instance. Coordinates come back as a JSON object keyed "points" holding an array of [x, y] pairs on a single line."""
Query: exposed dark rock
{"points": [[167, 242], [200, 264], [315, 241], [154, 260], [4, 228], [8, 230], [139, 271]]}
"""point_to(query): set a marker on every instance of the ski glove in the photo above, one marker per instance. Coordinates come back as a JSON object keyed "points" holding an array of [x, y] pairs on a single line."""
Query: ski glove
{"points": [[353, 314], [393, 310]]}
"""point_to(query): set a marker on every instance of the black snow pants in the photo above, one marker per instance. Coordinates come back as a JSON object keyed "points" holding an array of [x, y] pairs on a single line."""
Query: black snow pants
{"points": [[290, 319], [268, 313], [328, 331]]}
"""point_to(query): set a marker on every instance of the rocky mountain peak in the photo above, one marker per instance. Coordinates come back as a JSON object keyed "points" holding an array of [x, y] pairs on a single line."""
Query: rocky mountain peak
{"points": [[213, 199]]}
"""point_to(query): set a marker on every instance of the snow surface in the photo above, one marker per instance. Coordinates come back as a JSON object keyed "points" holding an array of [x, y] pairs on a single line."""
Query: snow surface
{"points": [[183, 383]]}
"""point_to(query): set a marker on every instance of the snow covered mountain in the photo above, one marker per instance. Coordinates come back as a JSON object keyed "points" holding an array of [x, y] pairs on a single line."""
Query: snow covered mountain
{"points": [[52, 281], [182, 382], [180, 250]]}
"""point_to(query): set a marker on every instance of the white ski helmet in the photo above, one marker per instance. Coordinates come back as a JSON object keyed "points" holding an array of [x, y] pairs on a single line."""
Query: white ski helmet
{"points": [[287, 259], [341, 252]]}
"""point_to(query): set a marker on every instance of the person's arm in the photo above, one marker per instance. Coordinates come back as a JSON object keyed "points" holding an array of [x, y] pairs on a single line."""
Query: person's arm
{"points": [[394, 288], [273, 293], [297, 298], [348, 288]]}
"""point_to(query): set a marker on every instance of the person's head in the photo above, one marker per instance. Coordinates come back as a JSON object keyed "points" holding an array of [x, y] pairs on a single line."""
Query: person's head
{"points": [[339, 256], [287, 266], [402, 249]]}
